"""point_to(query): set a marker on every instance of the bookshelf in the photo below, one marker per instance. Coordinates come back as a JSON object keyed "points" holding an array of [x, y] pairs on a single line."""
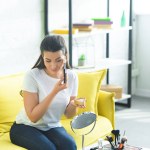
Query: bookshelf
{"points": [[107, 62]]}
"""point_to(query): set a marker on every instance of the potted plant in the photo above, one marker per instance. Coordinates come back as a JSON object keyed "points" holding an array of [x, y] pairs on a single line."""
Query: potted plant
{"points": [[81, 60]]}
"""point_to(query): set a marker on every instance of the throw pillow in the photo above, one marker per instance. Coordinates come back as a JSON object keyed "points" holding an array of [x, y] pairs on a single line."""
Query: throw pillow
{"points": [[89, 85]]}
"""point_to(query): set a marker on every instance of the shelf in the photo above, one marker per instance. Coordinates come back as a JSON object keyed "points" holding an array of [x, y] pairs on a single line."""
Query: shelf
{"points": [[106, 63], [96, 31], [109, 63], [124, 97]]}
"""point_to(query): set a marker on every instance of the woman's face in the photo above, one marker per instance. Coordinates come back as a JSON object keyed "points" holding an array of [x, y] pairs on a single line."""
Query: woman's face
{"points": [[54, 62]]}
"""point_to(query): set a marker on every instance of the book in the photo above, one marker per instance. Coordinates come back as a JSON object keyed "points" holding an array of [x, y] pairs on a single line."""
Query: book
{"points": [[82, 24], [102, 19], [83, 28], [103, 26], [64, 31], [103, 22]]}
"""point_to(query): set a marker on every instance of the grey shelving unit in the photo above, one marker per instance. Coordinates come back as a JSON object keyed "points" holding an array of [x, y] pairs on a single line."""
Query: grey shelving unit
{"points": [[70, 46], [129, 84]]}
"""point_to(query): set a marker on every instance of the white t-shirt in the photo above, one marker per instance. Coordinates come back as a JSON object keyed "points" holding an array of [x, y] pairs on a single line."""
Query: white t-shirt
{"points": [[37, 81]]}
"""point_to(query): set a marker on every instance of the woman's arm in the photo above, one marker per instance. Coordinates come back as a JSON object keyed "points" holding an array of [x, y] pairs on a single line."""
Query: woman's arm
{"points": [[71, 109], [36, 110]]}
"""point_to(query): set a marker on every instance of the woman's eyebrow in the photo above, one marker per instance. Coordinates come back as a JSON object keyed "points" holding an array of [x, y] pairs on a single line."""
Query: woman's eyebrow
{"points": [[55, 59], [58, 58], [47, 59]]}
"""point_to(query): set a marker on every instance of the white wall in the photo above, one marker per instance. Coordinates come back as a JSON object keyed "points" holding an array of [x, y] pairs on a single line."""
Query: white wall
{"points": [[21, 30], [143, 54], [141, 36]]}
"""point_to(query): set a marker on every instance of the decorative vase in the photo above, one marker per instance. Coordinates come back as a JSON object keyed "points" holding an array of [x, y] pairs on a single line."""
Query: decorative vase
{"points": [[123, 20]]}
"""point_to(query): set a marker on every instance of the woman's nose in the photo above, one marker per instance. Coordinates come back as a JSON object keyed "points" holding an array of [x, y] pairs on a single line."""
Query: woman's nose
{"points": [[53, 65]]}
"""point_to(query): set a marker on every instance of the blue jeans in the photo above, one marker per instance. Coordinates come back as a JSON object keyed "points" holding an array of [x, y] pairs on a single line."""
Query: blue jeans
{"points": [[34, 139]]}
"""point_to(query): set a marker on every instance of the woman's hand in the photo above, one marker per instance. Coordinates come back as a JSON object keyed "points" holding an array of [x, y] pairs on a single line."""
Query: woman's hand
{"points": [[71, 109], [79, 102], [60, 85]]}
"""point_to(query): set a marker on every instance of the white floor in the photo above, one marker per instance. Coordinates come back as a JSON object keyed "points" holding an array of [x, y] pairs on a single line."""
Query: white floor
{"points": [[135, 121]]}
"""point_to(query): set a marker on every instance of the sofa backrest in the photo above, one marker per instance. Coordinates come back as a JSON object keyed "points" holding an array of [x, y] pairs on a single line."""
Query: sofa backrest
{"points": [[11, 101]]}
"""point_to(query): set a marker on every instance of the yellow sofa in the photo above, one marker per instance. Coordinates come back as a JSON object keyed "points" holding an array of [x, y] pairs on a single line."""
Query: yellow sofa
{"points": [[99, 102]]}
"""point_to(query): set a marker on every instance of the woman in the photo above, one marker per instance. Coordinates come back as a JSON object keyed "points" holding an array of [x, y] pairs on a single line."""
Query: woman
{"points": [[46, 99]]}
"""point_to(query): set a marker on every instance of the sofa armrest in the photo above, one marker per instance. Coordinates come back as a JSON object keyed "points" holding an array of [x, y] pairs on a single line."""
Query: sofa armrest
{"points": [[106, 106]]}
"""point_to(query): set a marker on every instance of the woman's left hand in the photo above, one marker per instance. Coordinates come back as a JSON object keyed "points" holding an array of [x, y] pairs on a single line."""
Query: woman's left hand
{"points": [[78, 104]]}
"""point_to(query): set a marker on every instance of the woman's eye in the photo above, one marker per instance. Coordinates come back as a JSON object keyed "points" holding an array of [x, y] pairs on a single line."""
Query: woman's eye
{"points": [[48, 61], [60, 60]]}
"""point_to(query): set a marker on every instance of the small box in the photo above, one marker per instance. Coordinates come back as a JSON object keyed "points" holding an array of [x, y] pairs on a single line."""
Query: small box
{"points": [[113, 88]]}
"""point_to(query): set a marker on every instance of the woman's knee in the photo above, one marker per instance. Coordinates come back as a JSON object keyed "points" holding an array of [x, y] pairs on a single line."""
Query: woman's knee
{"points": [[32, 144], [30, 138], [69, 143]]}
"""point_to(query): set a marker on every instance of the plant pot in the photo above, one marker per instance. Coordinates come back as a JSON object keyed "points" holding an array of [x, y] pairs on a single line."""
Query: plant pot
{"points": [[81, 62]]}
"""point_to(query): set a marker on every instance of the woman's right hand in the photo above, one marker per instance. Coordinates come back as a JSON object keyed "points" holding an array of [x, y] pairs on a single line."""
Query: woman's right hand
{"points": [[60, 85]]}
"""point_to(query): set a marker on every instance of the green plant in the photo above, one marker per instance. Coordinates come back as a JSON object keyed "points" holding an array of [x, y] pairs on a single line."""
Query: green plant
{"points": [[82, 57]]}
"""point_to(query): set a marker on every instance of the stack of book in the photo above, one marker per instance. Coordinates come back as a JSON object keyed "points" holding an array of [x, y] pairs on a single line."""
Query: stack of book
{"points": [[104, 23], [83, 26]]}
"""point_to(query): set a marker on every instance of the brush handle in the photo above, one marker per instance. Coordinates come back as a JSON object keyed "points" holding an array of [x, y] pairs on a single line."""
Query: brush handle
{"points": [[65, 73]]}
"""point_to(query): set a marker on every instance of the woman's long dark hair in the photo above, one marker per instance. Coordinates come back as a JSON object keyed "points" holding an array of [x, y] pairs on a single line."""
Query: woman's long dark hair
{"points": [[52, 43]]}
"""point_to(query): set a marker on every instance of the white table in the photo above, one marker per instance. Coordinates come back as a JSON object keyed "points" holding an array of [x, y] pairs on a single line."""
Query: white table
{"points": [[96, 144]]}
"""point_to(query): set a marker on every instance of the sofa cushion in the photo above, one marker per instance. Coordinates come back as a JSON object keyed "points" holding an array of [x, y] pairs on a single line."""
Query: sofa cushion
{"points": [[10, 100], [102, 128], [89, 85], [5, 143]]}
